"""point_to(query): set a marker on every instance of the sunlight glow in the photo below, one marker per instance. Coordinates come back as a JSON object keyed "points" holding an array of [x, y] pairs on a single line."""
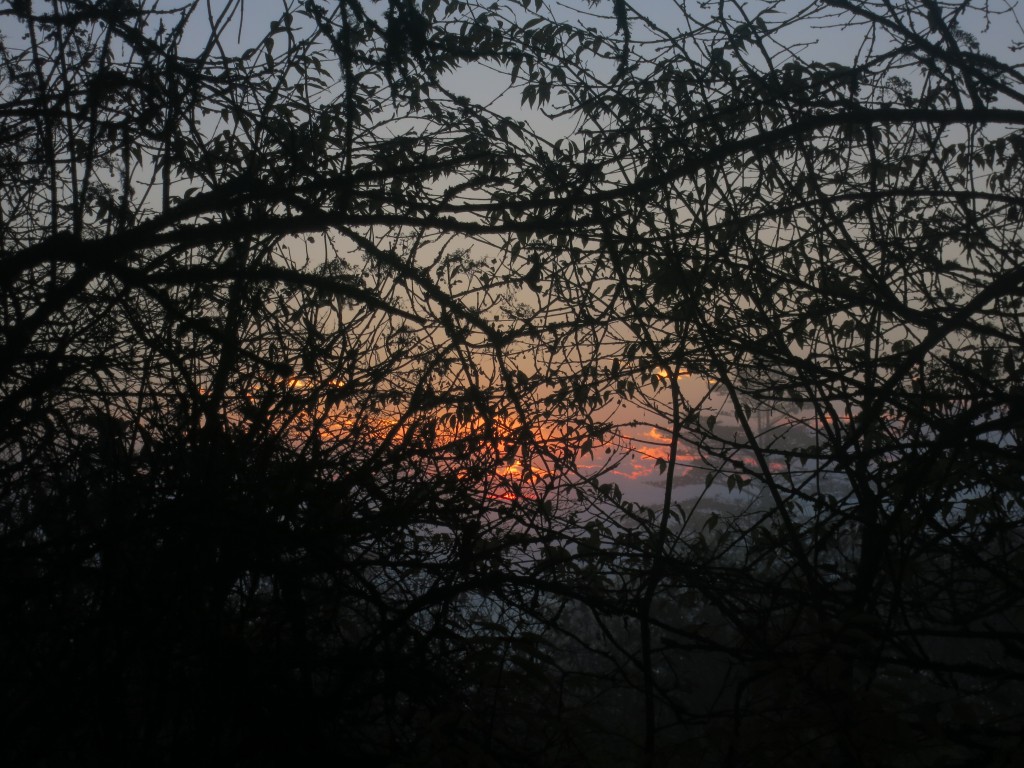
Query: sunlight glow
{"points": [[683, 375]]}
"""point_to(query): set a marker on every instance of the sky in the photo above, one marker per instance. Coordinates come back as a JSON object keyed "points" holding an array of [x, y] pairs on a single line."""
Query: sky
{"points": [[637, 471]]}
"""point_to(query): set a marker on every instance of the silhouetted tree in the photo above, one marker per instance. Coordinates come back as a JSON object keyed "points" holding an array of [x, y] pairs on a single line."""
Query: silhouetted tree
{"points": [[257, 412], [322, 324], [804, 225]]}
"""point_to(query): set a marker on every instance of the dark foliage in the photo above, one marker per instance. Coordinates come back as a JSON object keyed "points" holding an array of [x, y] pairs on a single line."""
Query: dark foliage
{"points": [[324, 328]]}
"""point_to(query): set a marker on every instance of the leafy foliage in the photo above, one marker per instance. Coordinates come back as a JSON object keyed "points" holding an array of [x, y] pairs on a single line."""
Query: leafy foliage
{"points": [[326, 330]]}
